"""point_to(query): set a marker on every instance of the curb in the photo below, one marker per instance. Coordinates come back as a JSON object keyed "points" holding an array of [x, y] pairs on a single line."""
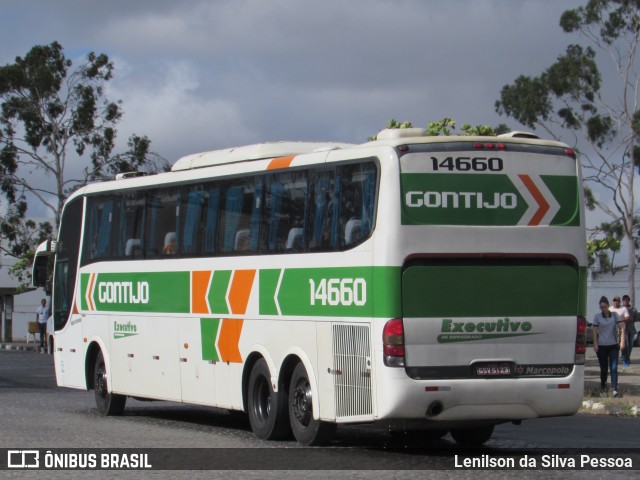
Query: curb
{"points": [[22, 348]]}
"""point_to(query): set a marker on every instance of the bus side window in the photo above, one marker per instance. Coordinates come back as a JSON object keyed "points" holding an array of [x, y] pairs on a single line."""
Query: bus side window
{"points": [[98, 229], [275, 194], [131, 224], [193, 212], [286, 204], [322, 211], [164, 222], [357, 202], [231, 217], [256, 213], [152, 209]]}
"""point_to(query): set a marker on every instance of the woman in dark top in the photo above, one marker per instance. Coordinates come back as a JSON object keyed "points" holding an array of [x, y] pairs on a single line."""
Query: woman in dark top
{"points": [[607, 343]]}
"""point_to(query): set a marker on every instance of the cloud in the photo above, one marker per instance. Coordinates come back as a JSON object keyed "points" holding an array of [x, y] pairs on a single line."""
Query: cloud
{"points": [[167, 107]]}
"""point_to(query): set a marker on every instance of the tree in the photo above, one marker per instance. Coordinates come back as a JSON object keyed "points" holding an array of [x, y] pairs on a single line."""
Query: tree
{"points": [[50, 115], [568, 98]]}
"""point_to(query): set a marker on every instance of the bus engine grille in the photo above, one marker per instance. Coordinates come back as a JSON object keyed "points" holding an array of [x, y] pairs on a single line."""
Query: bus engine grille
{"points": [[352, 370]]}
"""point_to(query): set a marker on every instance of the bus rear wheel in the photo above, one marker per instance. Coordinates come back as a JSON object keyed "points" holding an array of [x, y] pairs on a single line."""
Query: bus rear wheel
{"points": [[108, 403], [472, 437], [267, 408], [306, 429]]}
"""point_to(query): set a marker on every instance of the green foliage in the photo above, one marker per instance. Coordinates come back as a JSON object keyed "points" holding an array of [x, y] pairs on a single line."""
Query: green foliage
{"points": [[49, 109], [608, 242], [527, 101], [589, 199], [572, 84], [392, 124], [446, 125], [567, 97]]}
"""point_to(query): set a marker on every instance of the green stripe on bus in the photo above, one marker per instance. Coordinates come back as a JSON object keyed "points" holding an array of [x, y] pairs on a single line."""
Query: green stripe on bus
{"points": [[460, 199], [471, 199], [156, 292], [84, 285], [268, 283], [491, 291], [566, 192], [218, 292], [208, 334], [331, 292]]}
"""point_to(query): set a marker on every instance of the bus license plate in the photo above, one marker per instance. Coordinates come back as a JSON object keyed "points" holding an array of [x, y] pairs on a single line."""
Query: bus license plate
{"points": [[493, 370]]}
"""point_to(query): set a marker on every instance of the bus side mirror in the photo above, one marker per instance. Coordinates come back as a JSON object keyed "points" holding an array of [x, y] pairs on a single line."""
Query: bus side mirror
{"points": [[39, 275]]}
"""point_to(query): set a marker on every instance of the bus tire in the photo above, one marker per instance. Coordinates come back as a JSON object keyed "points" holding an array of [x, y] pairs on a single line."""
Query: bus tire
{"points": [[472, 437], [110, 404], [267, 408], [306, 430]]}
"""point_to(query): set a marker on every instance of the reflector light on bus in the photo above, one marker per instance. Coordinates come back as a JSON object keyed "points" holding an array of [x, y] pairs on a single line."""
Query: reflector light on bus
{"points": [[581, 341], [489, 146]]}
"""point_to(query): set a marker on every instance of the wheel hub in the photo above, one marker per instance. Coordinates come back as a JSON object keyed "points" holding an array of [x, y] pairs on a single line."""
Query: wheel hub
{"points": [[302, 403]]}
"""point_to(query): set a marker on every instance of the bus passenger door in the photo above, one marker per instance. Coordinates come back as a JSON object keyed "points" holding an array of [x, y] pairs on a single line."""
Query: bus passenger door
{"points": [[68, 347]]}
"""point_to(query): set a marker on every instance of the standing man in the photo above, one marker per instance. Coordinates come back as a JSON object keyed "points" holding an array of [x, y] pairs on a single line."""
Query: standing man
{"points": [[42, 313], [630, 328]]}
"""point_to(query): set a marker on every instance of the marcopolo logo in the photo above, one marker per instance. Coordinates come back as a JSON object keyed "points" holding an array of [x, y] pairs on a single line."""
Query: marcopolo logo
{"points": [[453, 331]]}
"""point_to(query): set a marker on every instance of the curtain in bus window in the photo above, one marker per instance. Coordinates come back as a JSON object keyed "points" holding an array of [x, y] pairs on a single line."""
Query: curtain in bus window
{"points": [[211, 221], [104, 232], [192, 221], [255, 218], [232, 212], [131, 224], [321, 207], [335, 220], [122, 229], [152, 228], [368, 201], [274, 215], [90, 248]]}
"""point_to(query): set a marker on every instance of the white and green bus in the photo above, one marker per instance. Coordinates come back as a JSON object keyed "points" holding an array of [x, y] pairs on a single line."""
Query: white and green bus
{"points": [[436, 282]]}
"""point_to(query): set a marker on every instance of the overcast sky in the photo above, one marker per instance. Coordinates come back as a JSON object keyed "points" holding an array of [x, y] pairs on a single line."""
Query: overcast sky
{"points": [[198, 75]]}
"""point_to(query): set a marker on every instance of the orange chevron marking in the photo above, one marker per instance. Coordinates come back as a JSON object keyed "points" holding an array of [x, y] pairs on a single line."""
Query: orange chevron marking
{"points": [[92, 282], [240, 290], [199, 285], [543, 205], [229, 339], [281, 162]]}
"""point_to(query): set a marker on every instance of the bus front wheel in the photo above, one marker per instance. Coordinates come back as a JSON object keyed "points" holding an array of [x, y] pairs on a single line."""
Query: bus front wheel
{"points": [[306, 429], [108, 403], [267, 408]]}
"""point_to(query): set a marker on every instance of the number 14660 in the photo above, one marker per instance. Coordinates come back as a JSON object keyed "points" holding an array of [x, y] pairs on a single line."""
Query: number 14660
{"points": [[338, 291]]}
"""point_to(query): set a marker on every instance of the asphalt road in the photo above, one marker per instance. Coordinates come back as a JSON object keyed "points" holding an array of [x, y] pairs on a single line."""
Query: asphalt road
{"points": [[35, 413]]}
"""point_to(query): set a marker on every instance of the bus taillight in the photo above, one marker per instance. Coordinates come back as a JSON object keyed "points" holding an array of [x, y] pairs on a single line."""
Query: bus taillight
{"points": [[581, 341], [393, 343]]}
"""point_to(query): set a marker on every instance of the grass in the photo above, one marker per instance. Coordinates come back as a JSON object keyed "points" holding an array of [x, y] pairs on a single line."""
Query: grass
{"points": [[627, 404]]}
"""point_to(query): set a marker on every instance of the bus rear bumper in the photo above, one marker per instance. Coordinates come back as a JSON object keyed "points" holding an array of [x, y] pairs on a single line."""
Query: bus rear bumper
{"points": [[498, 400]]}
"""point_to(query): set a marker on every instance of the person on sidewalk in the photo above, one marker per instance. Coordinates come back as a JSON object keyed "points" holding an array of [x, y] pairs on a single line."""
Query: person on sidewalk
{"points": [[42, 314], [606, 325], [630, 328]]}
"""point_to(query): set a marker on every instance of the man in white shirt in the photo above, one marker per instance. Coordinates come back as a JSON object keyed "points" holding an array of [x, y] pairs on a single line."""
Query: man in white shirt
{"points": [[42, 314]]}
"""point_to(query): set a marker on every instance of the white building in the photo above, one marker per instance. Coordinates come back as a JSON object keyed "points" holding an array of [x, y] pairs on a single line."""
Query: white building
{"points": [[16, 310]]}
